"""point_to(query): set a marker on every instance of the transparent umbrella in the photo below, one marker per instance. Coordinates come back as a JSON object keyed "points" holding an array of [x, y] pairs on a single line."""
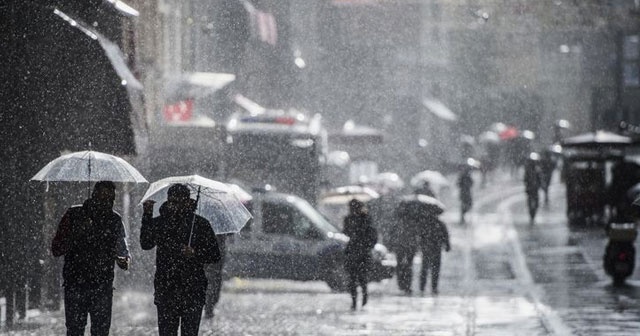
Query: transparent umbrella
{"points": [[217, 202], [88, 166]]}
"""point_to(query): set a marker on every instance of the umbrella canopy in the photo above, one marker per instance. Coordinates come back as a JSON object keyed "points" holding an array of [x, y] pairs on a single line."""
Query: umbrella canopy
{"points": [[489, 137], [419, 206], [509, 133], [89, 166], [342, 195], [218, 202], [433, 177], [388, 180], [597, 139]]}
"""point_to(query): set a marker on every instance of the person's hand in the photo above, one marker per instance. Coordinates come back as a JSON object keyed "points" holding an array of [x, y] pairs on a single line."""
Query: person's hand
{"points": [[147, 207], [123, 262], [188, 251]]}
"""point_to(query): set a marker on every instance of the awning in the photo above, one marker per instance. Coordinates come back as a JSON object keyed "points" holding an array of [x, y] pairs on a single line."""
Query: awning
{"points": [[439, 109], [113, 52]]}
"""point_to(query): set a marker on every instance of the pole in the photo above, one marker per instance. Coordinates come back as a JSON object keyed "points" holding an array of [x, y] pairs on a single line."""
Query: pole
{"points": [[193, 220]]}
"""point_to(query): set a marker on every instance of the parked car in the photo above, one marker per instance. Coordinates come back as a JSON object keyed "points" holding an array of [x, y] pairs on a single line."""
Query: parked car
{"points": [[289, 239]]}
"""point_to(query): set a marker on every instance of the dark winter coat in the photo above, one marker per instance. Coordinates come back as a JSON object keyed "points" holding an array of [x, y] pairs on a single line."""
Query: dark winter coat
{"points": [[362, 238], [434, 236], [465, 182], [532, 178], [90, 238], [180, 279]]}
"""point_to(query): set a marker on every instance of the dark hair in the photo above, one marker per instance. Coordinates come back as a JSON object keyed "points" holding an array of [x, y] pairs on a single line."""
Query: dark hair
{"points": [[104, 185], [355, 204], [178, 191]]}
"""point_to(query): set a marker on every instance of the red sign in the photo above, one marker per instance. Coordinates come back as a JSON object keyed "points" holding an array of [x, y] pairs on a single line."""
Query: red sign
{"points": [[180, 111]]}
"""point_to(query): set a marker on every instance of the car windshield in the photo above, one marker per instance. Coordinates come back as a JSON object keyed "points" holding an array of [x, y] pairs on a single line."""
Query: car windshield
{"points": [[317, 218]]}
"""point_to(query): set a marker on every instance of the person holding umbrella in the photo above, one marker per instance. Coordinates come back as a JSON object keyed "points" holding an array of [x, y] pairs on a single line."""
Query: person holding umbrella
{"points": [[91, 237], [184, 243], [434, 236]]}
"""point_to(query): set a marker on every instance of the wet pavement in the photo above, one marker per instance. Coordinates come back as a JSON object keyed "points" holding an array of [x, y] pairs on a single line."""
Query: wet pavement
{"points": [[503, 276]]}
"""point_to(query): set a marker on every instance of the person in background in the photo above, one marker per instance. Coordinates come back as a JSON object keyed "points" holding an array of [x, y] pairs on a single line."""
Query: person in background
{"points": [[434, 236], [362, 238], [465, 183], [547, 166], [91, 237], [532, 184], [184, 243]]}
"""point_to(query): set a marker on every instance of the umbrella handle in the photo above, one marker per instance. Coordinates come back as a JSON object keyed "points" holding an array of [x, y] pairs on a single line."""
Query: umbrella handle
{"points": [[193, 220]]}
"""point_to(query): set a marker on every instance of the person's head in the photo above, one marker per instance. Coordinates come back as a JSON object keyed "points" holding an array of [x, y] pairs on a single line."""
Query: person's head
{"points": [[178, 196], [104, 193], [178, 193], [356, 206]]}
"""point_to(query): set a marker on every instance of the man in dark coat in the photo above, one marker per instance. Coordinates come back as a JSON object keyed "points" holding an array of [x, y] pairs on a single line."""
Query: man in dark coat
{"points": [[184, 243], [362, 238], [92, 238], [434, 236], [465, 183], [406, 235], [532, 184]]}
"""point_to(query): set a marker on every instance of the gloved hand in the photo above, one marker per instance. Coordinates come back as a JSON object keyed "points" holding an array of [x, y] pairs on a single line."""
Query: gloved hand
{"points": [[123, 262], [147, 207]]}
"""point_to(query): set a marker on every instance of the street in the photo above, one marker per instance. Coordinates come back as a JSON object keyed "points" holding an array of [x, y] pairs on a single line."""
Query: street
{"points": [[503, 276]]}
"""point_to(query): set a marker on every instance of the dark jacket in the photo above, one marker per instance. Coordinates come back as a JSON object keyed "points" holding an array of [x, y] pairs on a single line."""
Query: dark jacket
{"points": [[362, 238], [532, 178], [434, 236], [90, 239], [179, 280]]}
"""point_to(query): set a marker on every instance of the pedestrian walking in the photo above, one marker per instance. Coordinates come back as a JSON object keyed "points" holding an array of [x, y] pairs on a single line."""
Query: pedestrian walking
{"points": [[407, 238], [533, 183], [547, 166], [214, 272], [362, 238], [184, 243], [465, 183], [92, 239], [434, 237]]}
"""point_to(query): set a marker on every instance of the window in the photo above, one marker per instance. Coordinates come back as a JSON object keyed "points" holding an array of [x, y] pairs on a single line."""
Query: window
{"points": [[277, 219]]}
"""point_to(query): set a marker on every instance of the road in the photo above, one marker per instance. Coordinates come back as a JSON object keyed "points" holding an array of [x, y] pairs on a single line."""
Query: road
{"points": [[503, 276]]}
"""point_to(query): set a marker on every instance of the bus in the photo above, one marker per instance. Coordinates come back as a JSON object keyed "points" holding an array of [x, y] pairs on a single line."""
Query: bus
{"points": [[283, 149]]}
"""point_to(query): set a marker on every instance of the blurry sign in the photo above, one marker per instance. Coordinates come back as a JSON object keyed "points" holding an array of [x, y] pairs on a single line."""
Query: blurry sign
{"points": [[180, 111]]}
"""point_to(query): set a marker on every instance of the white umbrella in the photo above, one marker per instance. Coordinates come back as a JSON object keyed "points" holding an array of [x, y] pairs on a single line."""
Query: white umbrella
{"points": [[435, 178], [218, 202], [88, 166]]}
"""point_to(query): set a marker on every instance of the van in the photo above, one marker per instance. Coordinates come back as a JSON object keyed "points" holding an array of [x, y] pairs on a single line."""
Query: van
{"points": [[289, 239]]}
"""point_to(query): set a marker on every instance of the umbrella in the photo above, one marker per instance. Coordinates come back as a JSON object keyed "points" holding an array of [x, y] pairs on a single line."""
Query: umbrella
{"points": [[418, 206], [509, 133], [433, 177], [597, 139], [489, 137], [89, 166], [342, 195], [388, 180], [217, 202]]}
